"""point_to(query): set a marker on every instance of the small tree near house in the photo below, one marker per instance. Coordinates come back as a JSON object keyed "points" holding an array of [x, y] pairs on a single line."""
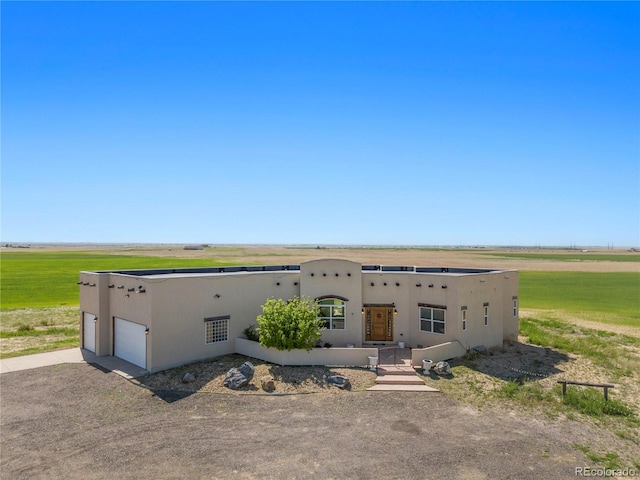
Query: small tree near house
{"points": [[288, 325]]}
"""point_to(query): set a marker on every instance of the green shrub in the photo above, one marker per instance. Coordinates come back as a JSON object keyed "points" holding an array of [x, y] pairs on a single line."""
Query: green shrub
{"points": [[288, 325], [251, 333]]}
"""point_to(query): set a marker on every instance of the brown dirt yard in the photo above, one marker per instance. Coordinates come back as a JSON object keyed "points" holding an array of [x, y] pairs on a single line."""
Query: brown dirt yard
{"points": [[78, 421]]}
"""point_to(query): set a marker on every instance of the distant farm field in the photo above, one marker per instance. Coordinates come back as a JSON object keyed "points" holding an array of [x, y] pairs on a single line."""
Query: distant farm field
{"points": [[605, 297], [570, 257], [46, 279]]}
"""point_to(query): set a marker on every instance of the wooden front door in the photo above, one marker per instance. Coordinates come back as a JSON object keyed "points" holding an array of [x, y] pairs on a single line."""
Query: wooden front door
{"points": [[379, 324]]}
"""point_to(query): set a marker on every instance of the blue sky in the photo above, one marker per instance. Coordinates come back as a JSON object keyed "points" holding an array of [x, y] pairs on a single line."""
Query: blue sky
{"points": [[321, 123]]}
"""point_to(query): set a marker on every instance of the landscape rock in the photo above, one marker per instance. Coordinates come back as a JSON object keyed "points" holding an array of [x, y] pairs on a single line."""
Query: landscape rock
{"points": [[442, 368], [187, 377], [267, 383], [239, 377], [339, 381], [247, 370]]}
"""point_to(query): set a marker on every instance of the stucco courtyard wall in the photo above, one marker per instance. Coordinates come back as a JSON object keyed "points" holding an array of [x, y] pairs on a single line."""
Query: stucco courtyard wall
{"points": [[353, 357], [437, 353]]}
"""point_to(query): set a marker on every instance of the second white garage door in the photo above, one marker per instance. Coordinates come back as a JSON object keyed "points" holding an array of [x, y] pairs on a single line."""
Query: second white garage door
{"points": [[89, 331], [130, 342]]}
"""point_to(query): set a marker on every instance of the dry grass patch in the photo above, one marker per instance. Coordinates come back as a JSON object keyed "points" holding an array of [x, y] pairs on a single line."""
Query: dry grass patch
{"points": [[39, 317], [34, 330], [479, 378], [591, 320]]}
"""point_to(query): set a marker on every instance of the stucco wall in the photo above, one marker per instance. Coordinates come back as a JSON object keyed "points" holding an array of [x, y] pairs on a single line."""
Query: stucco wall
{"points": [[511, 289], [174, 306], [409, 290], [181, 305], [342, 278], [94, 299]]}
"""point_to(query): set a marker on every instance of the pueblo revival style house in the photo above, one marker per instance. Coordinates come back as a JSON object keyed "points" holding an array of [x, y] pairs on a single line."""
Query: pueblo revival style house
{"points": [[159, 319]]}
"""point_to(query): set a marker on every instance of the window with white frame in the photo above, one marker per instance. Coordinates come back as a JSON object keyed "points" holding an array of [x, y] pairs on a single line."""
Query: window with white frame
{"points": [[332, 313], [515, 306], [432, 319], [463, 314], [486, 314], [216, 329]]}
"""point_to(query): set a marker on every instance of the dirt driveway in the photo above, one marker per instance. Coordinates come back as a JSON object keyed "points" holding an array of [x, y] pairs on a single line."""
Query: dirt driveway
{"points": [[77, 421]]}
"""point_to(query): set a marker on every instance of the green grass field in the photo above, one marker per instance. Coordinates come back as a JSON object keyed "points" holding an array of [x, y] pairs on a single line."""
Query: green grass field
{"points": [[605, 297], [44, 279]]}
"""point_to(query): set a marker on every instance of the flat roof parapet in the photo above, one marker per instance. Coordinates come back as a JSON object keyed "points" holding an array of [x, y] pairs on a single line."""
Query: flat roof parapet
{"points": [[454, 270], [200, 270], [294, 268], [389, 268]]}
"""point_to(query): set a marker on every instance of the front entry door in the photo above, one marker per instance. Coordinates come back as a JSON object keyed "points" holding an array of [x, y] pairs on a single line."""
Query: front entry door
{"points": [[379, 324]]}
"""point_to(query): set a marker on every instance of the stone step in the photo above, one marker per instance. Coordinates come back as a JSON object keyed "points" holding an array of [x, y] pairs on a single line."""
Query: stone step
{"points": [[396, 370], [398, 380], [401, 388]]}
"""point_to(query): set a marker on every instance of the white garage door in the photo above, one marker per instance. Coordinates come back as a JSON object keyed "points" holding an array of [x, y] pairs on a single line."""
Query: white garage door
{"points": [[130, 342], [89, 331]]}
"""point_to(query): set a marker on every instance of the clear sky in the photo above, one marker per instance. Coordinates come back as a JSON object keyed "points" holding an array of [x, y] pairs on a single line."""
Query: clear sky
{"points": [[321, 123]]}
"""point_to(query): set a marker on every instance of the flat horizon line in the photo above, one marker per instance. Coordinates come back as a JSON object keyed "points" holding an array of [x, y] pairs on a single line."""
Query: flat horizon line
{"points": [[572, 247]]}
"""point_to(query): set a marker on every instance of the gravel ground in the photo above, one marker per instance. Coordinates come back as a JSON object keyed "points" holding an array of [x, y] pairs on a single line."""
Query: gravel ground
{"points": [[77, 421]]}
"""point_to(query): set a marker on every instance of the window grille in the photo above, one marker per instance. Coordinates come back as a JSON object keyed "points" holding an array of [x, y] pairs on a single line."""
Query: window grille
{"points": [[216, 330]]}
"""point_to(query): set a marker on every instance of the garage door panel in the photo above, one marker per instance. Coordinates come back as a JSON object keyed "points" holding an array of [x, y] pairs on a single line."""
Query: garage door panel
{"points": [[89, 331], [130, 342]]}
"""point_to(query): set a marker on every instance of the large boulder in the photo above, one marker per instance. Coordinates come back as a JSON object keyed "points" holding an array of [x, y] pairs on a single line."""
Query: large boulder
{"points": [[339, 381], [442, 368], [239, 377], [247, 370]]}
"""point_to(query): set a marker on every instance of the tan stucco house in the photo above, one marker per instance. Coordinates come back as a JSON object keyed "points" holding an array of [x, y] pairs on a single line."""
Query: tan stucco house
{"points": [[159, 319]]}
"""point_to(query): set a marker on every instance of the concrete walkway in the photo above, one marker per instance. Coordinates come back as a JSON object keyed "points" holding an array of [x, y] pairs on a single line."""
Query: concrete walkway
{"points": [[72, 355]]}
